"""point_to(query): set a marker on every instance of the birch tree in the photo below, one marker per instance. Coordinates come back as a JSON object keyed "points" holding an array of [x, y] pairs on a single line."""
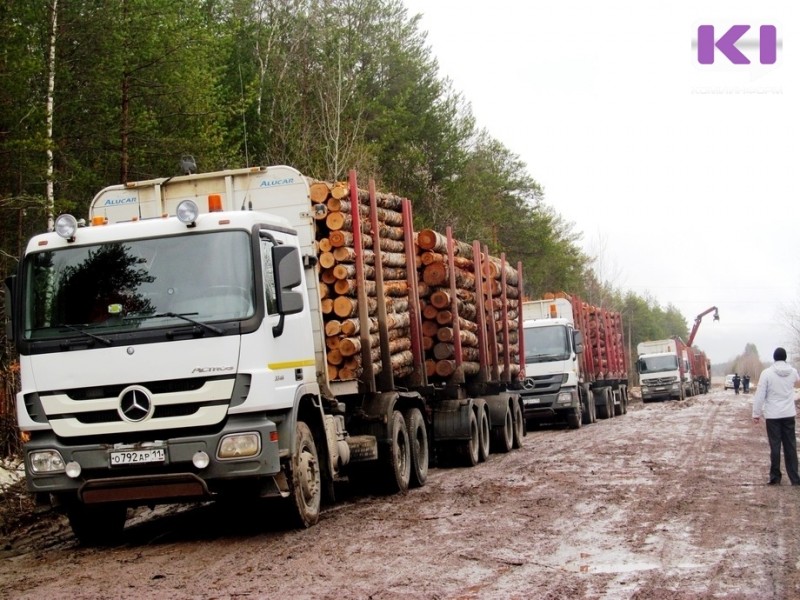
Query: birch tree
{"points": [[51, 84]]}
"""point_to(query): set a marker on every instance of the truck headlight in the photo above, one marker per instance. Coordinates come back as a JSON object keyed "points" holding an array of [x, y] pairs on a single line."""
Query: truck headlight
{"points": [[239, 445], [645, 388], [46, 461], [675, 386], [564, 398]]}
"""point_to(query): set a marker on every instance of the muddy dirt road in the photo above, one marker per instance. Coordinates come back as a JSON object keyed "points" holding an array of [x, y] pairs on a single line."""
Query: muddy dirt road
{"points": [[668, 501]]}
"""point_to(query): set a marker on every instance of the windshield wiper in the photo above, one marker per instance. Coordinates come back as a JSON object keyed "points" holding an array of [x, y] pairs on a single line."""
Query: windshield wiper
{"points": [[540, 357], [173, 315], [100, 339]]}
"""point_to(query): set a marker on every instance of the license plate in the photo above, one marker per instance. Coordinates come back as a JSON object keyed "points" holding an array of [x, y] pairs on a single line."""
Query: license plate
{"points": [[660, 389], [136, 457], [531, 400]]}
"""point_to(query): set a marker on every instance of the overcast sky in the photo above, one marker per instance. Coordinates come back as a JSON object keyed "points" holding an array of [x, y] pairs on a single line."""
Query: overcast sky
{"points": [[681, 176]]}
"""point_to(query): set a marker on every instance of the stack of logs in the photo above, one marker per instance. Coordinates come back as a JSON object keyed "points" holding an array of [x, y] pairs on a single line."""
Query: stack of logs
{"points": [[438, 317], [332, 208], [335, 238], [605, 337]]}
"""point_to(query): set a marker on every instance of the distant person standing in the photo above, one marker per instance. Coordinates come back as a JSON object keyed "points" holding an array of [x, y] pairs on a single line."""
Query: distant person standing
{"points": [[774, 400], [736, 381], [746, 384]]}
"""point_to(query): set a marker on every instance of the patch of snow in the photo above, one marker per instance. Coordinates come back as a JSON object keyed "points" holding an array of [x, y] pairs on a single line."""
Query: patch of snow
{"points": [[11, 471]]}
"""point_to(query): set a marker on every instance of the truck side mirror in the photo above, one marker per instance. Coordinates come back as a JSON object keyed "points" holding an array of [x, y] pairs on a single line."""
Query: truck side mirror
{"points": [[8, 307], [577, 341], [288, 275]]}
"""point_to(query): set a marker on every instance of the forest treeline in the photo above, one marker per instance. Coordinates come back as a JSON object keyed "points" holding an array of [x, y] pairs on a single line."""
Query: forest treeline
{"points": [[99, 92]]}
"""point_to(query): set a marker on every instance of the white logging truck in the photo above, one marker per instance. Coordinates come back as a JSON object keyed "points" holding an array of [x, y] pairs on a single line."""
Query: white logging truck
{"points": [[253, 333]]}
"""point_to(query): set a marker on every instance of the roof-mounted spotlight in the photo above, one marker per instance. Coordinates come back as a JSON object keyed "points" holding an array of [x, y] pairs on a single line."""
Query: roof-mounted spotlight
{"points": [[66, 226], [187, 212]]}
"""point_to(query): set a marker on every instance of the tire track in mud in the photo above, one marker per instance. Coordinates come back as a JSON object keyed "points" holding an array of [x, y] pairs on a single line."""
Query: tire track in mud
{"points": [[704, 524], [662, 518]]}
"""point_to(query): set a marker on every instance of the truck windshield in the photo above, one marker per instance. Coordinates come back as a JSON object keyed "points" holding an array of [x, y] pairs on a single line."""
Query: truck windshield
{"points": [[657, 364], [139, 284], [544, 344]]}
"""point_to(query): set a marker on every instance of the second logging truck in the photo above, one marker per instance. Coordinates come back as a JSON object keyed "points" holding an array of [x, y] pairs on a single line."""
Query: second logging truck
{"points": [[575, 361]]}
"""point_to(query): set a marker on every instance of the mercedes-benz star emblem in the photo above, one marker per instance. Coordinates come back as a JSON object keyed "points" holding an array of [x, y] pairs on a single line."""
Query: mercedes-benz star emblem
{"points": [[135, 404]]}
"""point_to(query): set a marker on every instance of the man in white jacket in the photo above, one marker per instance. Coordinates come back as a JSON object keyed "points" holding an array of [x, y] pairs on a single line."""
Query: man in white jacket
{"points": [[774, 400]]}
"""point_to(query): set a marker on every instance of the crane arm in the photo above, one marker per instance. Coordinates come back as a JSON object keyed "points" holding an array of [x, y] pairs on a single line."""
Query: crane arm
{"points": [[699, 318]]}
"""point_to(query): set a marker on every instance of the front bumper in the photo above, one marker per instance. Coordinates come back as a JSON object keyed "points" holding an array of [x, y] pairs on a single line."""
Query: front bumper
{"points": [[546, 407], [660, 392], [175, 479]]}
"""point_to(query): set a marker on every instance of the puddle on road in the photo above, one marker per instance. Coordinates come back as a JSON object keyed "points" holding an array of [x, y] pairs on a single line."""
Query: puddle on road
{"points": [[619, 567], [632, 567]]}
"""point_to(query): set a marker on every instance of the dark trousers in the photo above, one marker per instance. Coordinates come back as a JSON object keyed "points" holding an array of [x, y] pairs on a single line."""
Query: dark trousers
{"points": [[781, 433]]}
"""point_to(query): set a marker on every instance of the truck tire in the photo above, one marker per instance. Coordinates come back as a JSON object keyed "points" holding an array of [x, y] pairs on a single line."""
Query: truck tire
{"points": [[574, 419], [604, 404], [469, 450], [305, 485], [503, 436], [418, 437], [623, 389], [97, 524], [485, 432], [618, 402], [584, 393], [396, 462], [519, 424]]}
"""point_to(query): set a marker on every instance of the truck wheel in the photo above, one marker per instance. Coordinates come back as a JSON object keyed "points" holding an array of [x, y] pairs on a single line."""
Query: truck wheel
{"points": [[503, 436], [519, 425], [574, 420], [98, 524], [485, 432], [304, 479], [418, 436], [396, 464], [616, 396], [601, 403], [586, 414], [470, 449], [623, 390]]}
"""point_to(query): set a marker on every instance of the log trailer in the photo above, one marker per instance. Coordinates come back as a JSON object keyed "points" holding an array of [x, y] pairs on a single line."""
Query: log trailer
{"points": [[254, 333], [575, 364], [701, 370]]}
